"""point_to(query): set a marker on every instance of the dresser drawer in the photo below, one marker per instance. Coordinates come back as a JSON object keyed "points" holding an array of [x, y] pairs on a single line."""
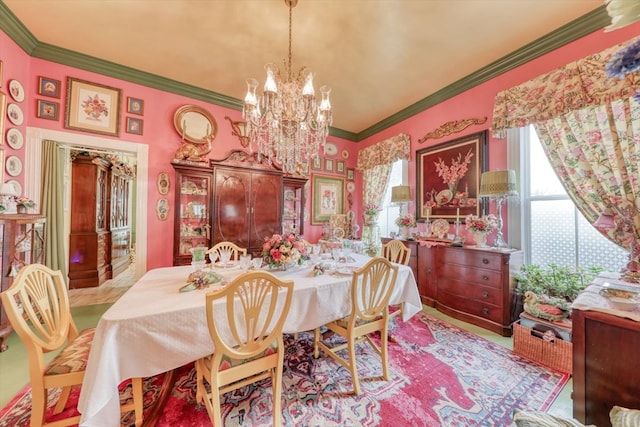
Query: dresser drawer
{"points": [[471, 306], [484, 277], [473, 258], [460, 288]]}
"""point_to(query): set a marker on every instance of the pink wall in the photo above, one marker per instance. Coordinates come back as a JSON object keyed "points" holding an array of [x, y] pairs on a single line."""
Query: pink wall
{"points": [[163, 140], [159, 132]]}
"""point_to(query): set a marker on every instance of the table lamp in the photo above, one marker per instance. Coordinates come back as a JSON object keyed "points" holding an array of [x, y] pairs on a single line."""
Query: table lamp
{"points": [[8, 196], [401, 194], [498, 185]]}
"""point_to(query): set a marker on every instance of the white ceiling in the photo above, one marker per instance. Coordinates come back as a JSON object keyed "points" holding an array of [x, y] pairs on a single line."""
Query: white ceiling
{"points": [[378, 56]]}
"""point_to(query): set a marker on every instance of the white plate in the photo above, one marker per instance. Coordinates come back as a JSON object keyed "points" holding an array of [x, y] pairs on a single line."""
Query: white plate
{"points": [[14, 165], [347, 271], [444, 197], [16, 90], [289, 195], [351, 187], [232, 264], [440, 227], [15, 114], [16, 185], [15, 138], [330, 149]]}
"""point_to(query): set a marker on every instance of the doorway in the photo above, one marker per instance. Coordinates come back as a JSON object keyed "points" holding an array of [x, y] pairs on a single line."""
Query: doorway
{"points": [[140, 152]]}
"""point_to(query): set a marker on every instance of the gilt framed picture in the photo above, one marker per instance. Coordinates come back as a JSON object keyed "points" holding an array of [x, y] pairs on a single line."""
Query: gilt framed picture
{"points": [[328, 198], [448, 178], [92, 107]]}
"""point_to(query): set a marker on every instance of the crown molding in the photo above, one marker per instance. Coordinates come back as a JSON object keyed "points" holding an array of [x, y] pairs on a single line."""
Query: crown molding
{"points": [[572, 31]]}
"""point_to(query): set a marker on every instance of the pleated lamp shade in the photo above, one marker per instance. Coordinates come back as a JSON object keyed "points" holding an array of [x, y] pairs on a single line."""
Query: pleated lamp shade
{"points": [[400, 194], [498, 184]]}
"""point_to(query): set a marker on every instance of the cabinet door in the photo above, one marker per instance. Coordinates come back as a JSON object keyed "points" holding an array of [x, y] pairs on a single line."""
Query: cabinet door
{"points": [[427, 275], [232, 206], [266, 191]]}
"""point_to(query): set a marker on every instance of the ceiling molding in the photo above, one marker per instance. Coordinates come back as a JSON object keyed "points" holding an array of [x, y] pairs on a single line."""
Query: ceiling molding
{"points": [[572, 31]]}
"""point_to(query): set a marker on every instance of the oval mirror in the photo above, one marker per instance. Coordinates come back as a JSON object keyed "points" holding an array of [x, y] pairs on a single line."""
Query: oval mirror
{"points": [[195, 124]]}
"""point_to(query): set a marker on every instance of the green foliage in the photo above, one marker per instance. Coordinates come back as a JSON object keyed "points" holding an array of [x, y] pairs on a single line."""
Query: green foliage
{"points": [[554, 280]]}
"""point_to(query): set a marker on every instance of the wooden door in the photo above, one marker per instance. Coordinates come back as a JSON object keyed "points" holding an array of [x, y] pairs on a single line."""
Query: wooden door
{"points": [[232, 205]]}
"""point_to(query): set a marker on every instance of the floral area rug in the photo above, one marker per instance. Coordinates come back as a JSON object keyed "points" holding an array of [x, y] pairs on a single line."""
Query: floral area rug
{"points": [[440, 375]]}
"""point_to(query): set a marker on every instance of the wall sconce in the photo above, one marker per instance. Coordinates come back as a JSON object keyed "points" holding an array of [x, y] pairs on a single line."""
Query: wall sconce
{"points": [[239, 129], [401, 194], [498, 185]]}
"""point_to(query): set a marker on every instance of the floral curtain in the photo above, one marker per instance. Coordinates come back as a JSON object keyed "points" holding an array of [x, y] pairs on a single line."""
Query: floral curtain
{"points": [[375, 163], [589, 126]]}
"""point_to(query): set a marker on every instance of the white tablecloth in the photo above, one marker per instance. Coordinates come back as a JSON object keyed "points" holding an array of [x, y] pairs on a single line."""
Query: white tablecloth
{"points": [[154, 328], [590, 298]]}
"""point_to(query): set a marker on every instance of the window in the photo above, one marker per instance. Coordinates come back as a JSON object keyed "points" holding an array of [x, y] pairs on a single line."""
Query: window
{"points": [[386, 219], [552, 229]]}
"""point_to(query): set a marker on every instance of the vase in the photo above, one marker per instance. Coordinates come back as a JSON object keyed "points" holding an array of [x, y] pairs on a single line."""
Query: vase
{"points": [[404, 232], [481, 239], [370, 219], [453, 187], [22, 209]]}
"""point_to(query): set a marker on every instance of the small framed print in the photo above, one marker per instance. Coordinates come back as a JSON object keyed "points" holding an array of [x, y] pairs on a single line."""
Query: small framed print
{"points": [[328, 165], [351, 174], [48, 87], [134, 125], [135, 106], [47, 110], [316, 163], [340, 166]]}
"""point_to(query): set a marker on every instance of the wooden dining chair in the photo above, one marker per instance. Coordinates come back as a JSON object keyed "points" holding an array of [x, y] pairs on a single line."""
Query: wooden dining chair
{"points": [[236, 250], [37, 305], [396, 251], [247, 338], [371, 288]]}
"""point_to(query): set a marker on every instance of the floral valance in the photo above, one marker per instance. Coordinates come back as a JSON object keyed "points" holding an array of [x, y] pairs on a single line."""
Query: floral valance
{"points": [[572, 87], [385, 152]]}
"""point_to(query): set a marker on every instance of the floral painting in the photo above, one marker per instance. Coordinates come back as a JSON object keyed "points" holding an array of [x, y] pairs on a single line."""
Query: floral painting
{"points": [[328, 198], [448, 178], [92, 107]]}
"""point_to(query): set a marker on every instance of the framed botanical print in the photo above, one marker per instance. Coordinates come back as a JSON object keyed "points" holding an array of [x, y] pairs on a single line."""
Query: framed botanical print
{"points": [[47, 110], [351, 174], [340, 166], [327, 197], [328, 165], [92, 107], [135, 106], [48, 87], [316, 163], [448, 178], [134, 125]]}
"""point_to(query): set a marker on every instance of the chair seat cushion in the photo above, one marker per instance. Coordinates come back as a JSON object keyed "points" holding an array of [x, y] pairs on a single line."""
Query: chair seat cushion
{"points": [[228, 362], [344, 322], [73, 358]]}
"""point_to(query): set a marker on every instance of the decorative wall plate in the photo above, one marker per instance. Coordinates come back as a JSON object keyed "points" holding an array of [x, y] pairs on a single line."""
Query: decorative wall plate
{"points": [[15, 114], [351, 187], [163, 183], [162, 209], [14, 165], [16, 185], [15, 138], [345, 154], [16, 90], [330, 149], [440, 227]]}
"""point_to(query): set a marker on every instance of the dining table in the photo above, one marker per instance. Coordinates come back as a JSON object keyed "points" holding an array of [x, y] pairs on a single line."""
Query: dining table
{"points": [[155, 328]]}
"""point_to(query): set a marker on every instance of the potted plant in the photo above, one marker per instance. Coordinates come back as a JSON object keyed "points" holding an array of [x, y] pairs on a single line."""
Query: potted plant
{"points": [[23, 204], [552, 281], [371, 211]]}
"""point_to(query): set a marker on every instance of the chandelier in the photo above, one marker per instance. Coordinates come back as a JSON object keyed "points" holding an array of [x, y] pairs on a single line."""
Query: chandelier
{"points": [[285, 124]]}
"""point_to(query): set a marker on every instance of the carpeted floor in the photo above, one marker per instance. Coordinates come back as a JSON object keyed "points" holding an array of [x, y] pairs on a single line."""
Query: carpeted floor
{"points": [[440, 376]]}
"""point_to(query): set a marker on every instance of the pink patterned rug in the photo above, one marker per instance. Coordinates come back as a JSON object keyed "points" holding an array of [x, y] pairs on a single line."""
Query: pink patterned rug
{"points": [[440, 376]]}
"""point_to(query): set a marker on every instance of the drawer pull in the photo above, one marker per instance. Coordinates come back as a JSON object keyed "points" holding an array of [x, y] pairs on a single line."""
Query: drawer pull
{"points": [[485, 294], [485, 277], [485, 311], [485, 261]]}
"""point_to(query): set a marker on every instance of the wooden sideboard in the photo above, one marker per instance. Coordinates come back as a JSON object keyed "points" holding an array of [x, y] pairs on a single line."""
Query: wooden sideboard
{"points": [[605, 368], [472, 285]]}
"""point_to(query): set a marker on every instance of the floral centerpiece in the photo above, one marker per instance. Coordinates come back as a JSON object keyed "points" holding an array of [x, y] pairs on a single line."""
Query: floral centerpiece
{"points": [[284, 250], [406, 220], [25, 202], [480, 227]]}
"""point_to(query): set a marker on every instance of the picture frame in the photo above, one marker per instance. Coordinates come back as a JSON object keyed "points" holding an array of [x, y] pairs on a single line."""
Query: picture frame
{"points": [[49, 87], [340, 166], [92, 107], [134, 125], [327, 198], [316, 163], [3, 115], [135, 106], [436, 198], [351, 174], [47, 110], [328, 165], [2, 157]]}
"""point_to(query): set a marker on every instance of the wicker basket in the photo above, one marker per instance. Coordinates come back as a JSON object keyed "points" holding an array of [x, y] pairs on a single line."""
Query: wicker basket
{"points": [[556, 354]]}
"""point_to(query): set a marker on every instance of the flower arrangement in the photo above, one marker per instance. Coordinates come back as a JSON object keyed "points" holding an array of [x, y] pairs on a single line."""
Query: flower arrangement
{"points": [[484, 224], [451, 174], [284, 249], [406, 220], [95, 107], [25, 202], [371, 209]]}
